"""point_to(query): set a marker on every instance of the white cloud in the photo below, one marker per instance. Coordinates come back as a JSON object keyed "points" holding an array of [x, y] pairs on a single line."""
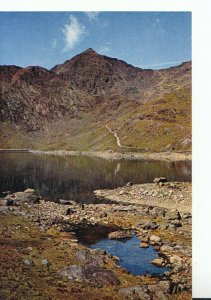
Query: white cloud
{"points": [[92, 15], [162, 65], [106, 48], [73, 33], [54, 43]]}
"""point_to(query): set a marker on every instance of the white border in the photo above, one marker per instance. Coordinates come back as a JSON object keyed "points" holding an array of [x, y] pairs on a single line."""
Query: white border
{"points": [[95, 5]]}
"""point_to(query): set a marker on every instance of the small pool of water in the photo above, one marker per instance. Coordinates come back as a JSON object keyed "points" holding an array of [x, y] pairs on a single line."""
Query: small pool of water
{"points": [[133, 258]]}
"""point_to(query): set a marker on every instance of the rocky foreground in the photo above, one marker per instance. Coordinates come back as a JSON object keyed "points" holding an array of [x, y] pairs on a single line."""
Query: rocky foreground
{"points": [[43, 253]]}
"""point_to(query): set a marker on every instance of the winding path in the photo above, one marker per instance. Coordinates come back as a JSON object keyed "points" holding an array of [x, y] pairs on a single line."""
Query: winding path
{"points": [[116, 137]]}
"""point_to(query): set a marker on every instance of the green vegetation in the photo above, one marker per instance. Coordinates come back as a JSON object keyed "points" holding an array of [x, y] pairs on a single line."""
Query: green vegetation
{"points": [[158, 125], [161, 124]]}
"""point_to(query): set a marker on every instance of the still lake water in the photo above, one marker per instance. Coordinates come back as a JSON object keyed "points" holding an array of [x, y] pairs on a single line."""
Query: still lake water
{"points": [[76, 177]]}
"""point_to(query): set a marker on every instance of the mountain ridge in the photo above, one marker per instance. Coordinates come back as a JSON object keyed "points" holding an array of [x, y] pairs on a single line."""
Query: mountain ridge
{"points": [[92, 90]]}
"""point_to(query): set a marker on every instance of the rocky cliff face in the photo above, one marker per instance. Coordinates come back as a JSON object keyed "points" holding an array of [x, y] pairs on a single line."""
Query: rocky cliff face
{"points": [[96, 73], [34, 99]]}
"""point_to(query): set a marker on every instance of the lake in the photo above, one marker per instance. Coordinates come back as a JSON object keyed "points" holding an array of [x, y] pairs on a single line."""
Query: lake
{"points": [[76, 177]]}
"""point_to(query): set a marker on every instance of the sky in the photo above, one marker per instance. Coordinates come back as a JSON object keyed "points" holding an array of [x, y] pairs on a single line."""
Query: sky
{"points": [[144, 39]]}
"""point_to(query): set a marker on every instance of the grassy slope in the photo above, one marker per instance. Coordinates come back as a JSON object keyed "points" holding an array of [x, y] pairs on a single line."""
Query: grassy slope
{"points": [[157, 125], [10, 138]]}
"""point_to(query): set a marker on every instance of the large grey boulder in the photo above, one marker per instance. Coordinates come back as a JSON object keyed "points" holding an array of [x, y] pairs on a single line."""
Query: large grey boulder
{"points": [[28, 196], [99, 276], [94, 275]]}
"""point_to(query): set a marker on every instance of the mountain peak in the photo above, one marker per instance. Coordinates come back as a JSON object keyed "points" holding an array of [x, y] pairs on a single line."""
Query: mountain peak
{"points": [[89, 51]]}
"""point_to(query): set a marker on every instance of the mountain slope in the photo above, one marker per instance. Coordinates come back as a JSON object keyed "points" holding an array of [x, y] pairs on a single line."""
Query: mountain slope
{"points": [[70, 106]]}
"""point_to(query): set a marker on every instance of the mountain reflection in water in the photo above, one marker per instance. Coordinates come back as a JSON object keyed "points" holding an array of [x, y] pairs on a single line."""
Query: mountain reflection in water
{"points": [[76, 177]]}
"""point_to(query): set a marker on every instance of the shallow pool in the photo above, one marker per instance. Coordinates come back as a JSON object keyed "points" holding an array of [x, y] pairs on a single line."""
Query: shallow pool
{"points": [[133, 258]]}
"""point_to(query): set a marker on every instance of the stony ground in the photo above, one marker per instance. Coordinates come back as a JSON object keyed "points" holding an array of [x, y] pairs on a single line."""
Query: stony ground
{"points": [[42, 255], [171, 195]]}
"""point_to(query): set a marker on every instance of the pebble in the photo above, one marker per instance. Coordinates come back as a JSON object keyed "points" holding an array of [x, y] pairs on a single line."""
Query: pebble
{"points": [[28, 261], [44, 262]]}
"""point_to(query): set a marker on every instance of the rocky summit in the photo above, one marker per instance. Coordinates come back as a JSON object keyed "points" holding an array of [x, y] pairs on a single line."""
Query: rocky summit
{"points": [[94, 102]]}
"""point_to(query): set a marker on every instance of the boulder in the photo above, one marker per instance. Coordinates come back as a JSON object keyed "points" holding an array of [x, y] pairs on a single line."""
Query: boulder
{"points": [[86, 257], [157, 293], [6, 193], [122, 192], [30, 191], [175, 260], [99, 277], [136, 292], [164, 226], [144, 245], [148, 225], [44, 262], [186, 215], [67, 202], [146, 292], [129, 183], [159, 262], [3, 202], [28, 261], [160, 179], [11, 202], [165, 285], [176, 223], [91, 274], [20, 197], [186, 142], [166, 248], [144, 239], [120, 234], [157, 211], [172, 215], [73, 273], [4, 209], [155, 239], [157, 247]]}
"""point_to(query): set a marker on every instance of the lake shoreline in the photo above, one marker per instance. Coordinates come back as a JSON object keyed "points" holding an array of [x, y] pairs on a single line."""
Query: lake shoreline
{"points": [[110, 155]]}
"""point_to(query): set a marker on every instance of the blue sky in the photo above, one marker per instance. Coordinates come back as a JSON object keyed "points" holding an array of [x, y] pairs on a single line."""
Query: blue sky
{"points": [[144, 39]]}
